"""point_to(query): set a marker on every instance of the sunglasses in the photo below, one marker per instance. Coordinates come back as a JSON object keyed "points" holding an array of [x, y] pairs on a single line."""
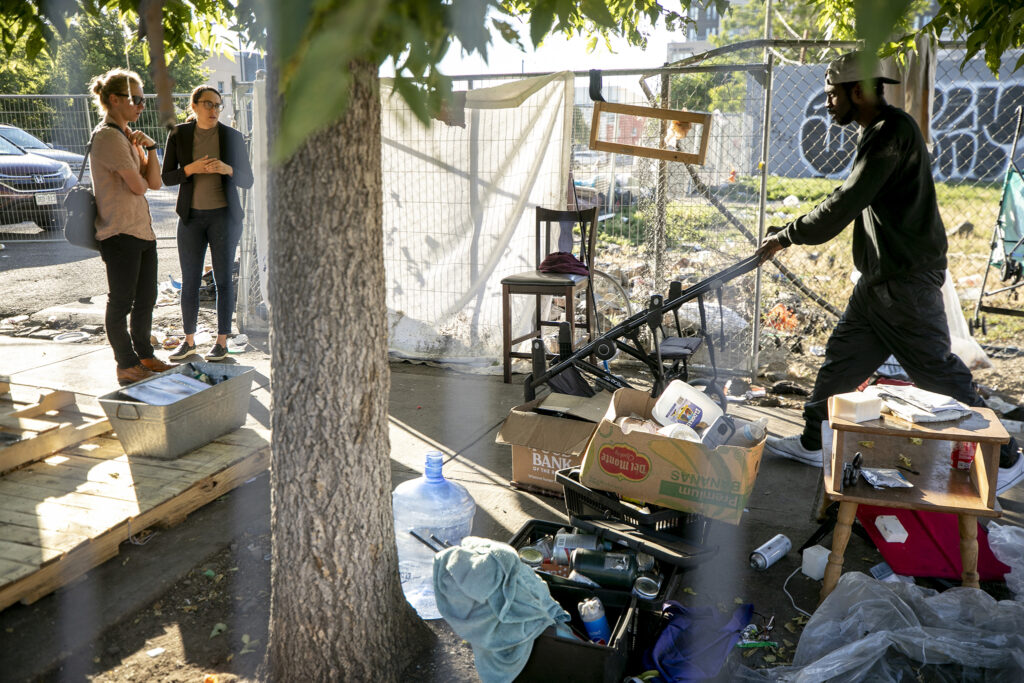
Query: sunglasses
{"points": [[136, 99], [211, 106]]}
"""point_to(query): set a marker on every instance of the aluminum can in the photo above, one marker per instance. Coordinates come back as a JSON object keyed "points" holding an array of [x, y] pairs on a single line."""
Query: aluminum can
{"points": [[647, 587], [531, 557], [769, 553], [566, 543]]}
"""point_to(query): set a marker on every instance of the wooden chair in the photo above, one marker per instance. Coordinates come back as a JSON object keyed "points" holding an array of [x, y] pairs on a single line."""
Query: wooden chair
{"points": [[537, 283]]}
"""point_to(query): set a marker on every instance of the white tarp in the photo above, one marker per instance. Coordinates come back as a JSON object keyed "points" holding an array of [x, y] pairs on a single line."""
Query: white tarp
{"points": [[459, 205]]}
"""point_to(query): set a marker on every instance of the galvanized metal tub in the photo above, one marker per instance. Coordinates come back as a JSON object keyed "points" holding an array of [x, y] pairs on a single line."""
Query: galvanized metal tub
{"points": [[170, 431]]}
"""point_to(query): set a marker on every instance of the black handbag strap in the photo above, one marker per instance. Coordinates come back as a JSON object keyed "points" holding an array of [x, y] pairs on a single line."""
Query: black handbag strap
{"points": [[88, 148]]}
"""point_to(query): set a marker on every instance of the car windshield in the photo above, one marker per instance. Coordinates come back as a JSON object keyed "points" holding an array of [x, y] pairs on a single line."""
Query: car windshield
{"points": [[21, 138], [7, 147]]}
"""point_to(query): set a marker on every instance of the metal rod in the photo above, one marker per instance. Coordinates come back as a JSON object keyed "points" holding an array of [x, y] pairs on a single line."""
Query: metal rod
{"points": [[441, 542], [762, 201], [638, 320], [424, 541]]}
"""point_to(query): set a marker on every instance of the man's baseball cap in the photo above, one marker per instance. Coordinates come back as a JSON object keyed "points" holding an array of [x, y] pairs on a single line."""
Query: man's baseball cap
{"points": [[847, 69]]}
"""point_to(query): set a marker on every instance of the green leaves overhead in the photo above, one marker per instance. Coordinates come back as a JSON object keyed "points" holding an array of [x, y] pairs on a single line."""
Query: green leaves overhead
{"points": [[875, 21], [315, 41], [994, 26]]}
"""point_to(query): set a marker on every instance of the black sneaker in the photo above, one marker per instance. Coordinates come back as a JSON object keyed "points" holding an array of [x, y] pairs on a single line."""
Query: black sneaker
{"points": [[218, 352], [184, 351]]}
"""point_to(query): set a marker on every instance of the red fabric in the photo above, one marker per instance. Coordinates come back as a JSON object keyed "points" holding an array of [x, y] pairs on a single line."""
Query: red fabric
{"points": [[562, 262], [932, 547]]}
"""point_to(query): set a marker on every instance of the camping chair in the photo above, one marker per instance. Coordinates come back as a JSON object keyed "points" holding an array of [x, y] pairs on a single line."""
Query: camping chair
{"points": [[1007, 244], [537, 283]]}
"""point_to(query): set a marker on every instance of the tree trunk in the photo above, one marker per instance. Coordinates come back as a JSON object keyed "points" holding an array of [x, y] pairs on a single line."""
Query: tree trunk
{"points": [[337, 610]]}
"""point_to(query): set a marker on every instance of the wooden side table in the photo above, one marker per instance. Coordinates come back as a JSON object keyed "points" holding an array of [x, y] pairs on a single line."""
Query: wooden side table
{"points": [[967, 493]]}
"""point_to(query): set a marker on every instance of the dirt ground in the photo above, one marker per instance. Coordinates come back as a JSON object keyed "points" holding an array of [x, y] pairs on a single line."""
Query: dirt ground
{"points": [[184, 636]]}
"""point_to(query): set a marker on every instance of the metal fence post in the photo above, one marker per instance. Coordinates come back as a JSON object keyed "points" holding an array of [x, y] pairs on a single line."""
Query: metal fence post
{"points": [[656, 241], [769, 58]]}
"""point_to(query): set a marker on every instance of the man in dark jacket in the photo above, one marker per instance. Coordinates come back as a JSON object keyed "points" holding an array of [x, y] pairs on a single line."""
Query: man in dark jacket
{"points": [[899, 247]]}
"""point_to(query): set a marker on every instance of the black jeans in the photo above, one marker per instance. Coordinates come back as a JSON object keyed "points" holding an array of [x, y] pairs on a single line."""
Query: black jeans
{"points": [[904, 317], [131, 281], [204, 228]]}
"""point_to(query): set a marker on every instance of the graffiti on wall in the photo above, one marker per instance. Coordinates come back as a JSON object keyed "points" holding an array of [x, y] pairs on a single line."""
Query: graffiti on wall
{"points": [[972, 131]]}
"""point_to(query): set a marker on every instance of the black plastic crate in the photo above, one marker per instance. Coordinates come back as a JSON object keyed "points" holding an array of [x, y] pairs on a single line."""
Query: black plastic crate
{"points": [[670, 554], [578, 661], [581, 501]]}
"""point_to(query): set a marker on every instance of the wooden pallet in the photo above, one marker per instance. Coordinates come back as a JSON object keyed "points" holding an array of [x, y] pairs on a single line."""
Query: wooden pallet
{"points": [[69, 512], [35, 422]]}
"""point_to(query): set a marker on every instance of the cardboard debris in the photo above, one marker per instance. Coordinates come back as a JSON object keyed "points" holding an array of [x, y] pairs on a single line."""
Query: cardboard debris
{"points": [[673, 473], [543, 444]]}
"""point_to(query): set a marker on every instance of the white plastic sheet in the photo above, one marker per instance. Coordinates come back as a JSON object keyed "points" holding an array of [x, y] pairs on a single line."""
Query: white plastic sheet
{"points": [[869, 630], [459, 207], [1007, 543]]}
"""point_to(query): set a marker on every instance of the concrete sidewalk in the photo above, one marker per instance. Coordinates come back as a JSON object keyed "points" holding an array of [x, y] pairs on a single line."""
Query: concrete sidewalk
{"points": [[430, 408]]}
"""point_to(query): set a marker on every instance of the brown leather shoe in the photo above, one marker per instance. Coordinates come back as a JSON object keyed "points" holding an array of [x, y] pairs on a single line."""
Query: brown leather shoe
{"points": [[155, 364], [136, 373]]}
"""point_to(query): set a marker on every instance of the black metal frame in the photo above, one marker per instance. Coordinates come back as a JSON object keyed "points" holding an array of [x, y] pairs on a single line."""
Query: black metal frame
{"points": [[1012, 270], [625, 337]]}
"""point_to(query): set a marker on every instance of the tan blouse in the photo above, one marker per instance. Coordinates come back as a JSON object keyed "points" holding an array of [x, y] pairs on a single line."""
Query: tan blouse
{"points": [[207, 188], [119, 211]]}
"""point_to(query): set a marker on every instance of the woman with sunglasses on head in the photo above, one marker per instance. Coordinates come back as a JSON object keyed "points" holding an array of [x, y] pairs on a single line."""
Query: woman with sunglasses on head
{"points": [[208, 161], [124, 166]]}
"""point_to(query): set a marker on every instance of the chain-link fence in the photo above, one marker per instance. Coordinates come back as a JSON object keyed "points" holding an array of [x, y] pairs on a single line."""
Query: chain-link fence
{"points": [[42, 142], [668, 221], [772, 155]]}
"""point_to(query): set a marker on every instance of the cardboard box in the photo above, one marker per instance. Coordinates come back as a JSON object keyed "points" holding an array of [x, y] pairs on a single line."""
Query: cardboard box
{"points": [[543, 443], [673, 473]]}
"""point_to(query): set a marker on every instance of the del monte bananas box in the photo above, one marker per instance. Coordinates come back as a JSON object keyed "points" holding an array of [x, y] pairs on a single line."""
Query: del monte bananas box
{"points": [[674, 473]]}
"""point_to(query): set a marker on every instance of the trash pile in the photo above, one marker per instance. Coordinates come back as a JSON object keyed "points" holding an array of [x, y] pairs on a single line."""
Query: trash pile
{"points": [[64, 331], [646, 492]]}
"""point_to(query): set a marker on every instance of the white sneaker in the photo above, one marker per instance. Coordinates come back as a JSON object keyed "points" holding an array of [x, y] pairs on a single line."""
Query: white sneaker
{"points": [[1010, 476], [790, 447]]}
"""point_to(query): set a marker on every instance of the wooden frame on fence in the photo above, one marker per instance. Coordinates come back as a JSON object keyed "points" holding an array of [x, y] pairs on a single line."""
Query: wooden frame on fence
{"points": [[651, 112]]}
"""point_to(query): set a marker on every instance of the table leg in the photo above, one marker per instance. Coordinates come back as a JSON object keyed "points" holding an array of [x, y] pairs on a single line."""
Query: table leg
{"points": [[969, 550], [840, 537]]}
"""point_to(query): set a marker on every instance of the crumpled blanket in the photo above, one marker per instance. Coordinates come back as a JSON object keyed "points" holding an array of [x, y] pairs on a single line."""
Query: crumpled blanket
{"points": [[495, 602], [696, 641]]}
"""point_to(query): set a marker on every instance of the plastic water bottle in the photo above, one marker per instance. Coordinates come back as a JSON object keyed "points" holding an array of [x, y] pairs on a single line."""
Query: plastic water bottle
{"points": [[752, 432], [429, 505], [594, 620]]}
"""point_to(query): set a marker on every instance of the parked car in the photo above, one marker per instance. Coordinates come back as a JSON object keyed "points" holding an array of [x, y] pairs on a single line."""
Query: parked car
{"points": [[33, 145], [32, 187]]}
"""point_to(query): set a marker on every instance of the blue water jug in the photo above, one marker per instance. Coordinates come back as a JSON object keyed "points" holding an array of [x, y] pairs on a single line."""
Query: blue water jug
{"points": [[429, 505]]}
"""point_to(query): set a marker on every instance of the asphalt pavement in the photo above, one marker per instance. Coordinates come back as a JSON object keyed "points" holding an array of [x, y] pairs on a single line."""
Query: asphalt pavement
{"points": [[39, 269]]}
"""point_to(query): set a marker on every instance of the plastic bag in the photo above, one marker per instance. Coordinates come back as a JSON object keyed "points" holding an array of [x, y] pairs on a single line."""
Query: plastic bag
{"points": [[885, 477], [869, 630], [1007, 543]]}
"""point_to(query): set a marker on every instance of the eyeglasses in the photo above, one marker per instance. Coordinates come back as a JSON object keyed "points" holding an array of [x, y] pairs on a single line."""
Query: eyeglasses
{"points": [[211, 106], [136, 99]]}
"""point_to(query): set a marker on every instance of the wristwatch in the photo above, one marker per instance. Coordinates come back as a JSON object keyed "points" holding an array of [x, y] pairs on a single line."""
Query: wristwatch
{"points": [[150, 148]]}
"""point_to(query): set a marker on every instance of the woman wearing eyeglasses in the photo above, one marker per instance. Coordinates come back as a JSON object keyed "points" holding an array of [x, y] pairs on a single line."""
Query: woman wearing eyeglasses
{"points": [[208, 161], [124, 166]]}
